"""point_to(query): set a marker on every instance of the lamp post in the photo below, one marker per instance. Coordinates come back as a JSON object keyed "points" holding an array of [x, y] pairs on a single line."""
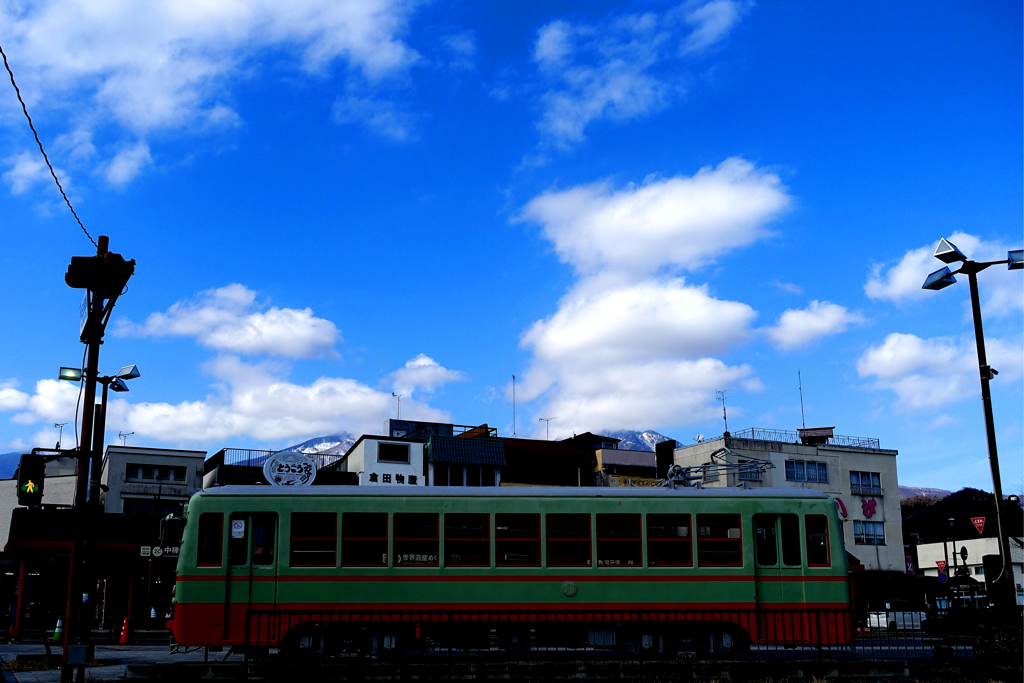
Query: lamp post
{"points": [[947, 252], [117, 384]]}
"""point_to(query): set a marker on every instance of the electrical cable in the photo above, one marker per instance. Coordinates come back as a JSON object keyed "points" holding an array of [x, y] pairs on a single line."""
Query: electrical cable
{"points": [[78, 403], [45, 158]]}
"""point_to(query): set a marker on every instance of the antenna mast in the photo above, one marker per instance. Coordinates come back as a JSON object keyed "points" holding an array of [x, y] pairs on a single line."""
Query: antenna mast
{"points": [[800, 383], [722, 395], [513, 406]]}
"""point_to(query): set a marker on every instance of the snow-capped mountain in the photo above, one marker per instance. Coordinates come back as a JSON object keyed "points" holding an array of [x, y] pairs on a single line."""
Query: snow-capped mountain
{"points": [[911, 491], [633, 440], [335, 444]]}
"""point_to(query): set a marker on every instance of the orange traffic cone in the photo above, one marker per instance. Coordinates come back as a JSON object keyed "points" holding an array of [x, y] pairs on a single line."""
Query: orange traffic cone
{"points": [[125, 638]]}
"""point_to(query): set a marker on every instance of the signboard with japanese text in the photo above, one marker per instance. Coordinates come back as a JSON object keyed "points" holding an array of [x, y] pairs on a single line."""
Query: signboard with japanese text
{"points": [[289, 468], [979, 524]]}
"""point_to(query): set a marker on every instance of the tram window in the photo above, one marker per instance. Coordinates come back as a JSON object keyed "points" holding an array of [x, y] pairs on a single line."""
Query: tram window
{"points": [[816, 529], [517, 540], [211, 538], [789, 528], [264, 526], [364, 539], [619, 542], [467, 540], [238, 542], [765, 547], [314, 539], [568, 540], [718, 541], [669, 541], [416, 542]]}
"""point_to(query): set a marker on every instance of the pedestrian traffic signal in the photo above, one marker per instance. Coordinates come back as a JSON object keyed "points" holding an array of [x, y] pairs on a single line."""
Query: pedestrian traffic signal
{"points": [[31, 477], [105, 276]]}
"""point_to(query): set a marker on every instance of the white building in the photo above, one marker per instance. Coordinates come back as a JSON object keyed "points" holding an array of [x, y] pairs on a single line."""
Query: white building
{"points": [[149, 481], [385, 461], [930, 554], [857, 472]]}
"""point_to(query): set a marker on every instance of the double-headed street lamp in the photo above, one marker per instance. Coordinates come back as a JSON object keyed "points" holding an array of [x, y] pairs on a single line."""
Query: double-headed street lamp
{"points": [[947, 252]]}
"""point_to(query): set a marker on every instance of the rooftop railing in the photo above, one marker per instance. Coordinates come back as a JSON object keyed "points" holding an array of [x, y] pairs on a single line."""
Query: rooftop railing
{"points": [[786, 436]]}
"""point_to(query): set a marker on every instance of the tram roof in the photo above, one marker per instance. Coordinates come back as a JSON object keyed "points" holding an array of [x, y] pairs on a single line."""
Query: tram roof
{"points": [[513, 492]]}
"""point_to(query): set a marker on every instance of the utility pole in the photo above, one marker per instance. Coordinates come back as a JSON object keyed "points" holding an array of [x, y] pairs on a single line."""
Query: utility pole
{"points": [[722, 395], [104, 276]]}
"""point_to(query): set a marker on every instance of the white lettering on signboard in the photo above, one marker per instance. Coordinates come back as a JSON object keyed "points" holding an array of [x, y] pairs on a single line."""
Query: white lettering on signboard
{"points": [[145, 551]]}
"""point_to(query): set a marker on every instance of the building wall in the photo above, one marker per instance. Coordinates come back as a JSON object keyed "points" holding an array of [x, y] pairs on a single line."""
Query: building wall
{"points": [[928, 554], [113, 475], [840, 461]]}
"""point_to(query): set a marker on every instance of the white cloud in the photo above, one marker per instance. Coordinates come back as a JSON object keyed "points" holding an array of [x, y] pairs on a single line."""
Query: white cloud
{"points": [[617, 354], [127, 164], [228, 319], [10, 397], [680, 221], [712, 23], [423, 372], [53, 400], [621, 68], [254, 401], [927, 374], [26, 170], [462, 46], [147, 65], [901, 282], [796, 328], [382, 117]]}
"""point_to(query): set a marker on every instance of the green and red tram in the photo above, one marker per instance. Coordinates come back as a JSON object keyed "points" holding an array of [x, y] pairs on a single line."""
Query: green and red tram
{"points": [[275, 566]]}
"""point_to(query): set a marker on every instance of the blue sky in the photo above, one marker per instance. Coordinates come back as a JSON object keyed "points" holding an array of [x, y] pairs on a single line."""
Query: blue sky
{"points": [[627, 205]]}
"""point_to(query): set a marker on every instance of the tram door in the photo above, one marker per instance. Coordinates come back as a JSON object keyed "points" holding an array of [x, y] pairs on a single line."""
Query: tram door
{"points": [[778, 560], [251, 581]]}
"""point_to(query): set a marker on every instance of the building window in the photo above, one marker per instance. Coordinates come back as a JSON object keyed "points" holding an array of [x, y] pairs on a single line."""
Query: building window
{"points": [[152, 506], [979, 571], [161, 473], [865, 483], [807, 470], [393, 452], [868, 533]]}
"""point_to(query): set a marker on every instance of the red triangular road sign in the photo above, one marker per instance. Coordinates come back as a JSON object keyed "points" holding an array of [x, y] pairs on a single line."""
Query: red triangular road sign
{"points": [[979, 523], [942, 565]]}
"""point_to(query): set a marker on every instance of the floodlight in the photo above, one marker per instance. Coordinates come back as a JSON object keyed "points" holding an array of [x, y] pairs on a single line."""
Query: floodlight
{"points": [[118, 385], [1016, 258], [70, 374], [940, 279], [128, 372], [947, 252]]}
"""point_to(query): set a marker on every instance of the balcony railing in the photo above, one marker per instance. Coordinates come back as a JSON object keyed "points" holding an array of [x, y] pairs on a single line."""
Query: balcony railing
{"points": [[785, 436], [866, 490], [750, 476]]}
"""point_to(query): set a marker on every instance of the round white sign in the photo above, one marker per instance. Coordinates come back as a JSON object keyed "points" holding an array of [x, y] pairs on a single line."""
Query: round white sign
{"points": [[289, 468]]}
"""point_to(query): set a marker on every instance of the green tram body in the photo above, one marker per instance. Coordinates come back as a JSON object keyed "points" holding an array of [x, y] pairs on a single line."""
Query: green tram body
{"points": [[212, 601]]}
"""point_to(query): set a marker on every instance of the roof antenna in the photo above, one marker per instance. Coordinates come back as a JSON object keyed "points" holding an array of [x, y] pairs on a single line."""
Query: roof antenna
{"points": [[513, 406], [722, 395], [800, 383]]}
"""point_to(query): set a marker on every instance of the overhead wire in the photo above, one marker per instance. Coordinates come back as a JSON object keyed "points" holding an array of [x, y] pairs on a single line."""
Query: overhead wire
{"points": [[45, 158]]}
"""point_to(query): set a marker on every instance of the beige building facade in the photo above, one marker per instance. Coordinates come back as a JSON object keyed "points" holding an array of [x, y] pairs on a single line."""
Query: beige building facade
{"points": [[859, 474]]}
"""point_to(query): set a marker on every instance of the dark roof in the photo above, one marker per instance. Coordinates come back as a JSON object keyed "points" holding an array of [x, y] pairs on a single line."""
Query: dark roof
{"points": [[565, 452], [473, 451]]}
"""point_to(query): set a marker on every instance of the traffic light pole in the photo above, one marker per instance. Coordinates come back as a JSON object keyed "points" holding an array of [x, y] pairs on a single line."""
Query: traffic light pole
{"points": [[93, 336]]}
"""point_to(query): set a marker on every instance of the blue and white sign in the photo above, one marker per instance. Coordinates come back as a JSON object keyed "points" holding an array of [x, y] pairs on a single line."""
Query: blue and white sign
{"points": [[289, 468]]}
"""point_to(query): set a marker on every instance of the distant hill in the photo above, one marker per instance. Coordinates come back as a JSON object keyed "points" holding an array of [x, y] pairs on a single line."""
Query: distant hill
{"points": [[911, 491], [9, 463], [335, 444], [633, 440]]}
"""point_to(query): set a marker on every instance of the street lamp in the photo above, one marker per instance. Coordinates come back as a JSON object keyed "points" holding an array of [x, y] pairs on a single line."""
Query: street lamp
{"points": [[115, 383], [947, 252]]}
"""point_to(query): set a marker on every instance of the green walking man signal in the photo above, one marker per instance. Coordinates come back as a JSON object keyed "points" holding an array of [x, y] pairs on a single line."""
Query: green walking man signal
{"points": [[31, 477]]}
